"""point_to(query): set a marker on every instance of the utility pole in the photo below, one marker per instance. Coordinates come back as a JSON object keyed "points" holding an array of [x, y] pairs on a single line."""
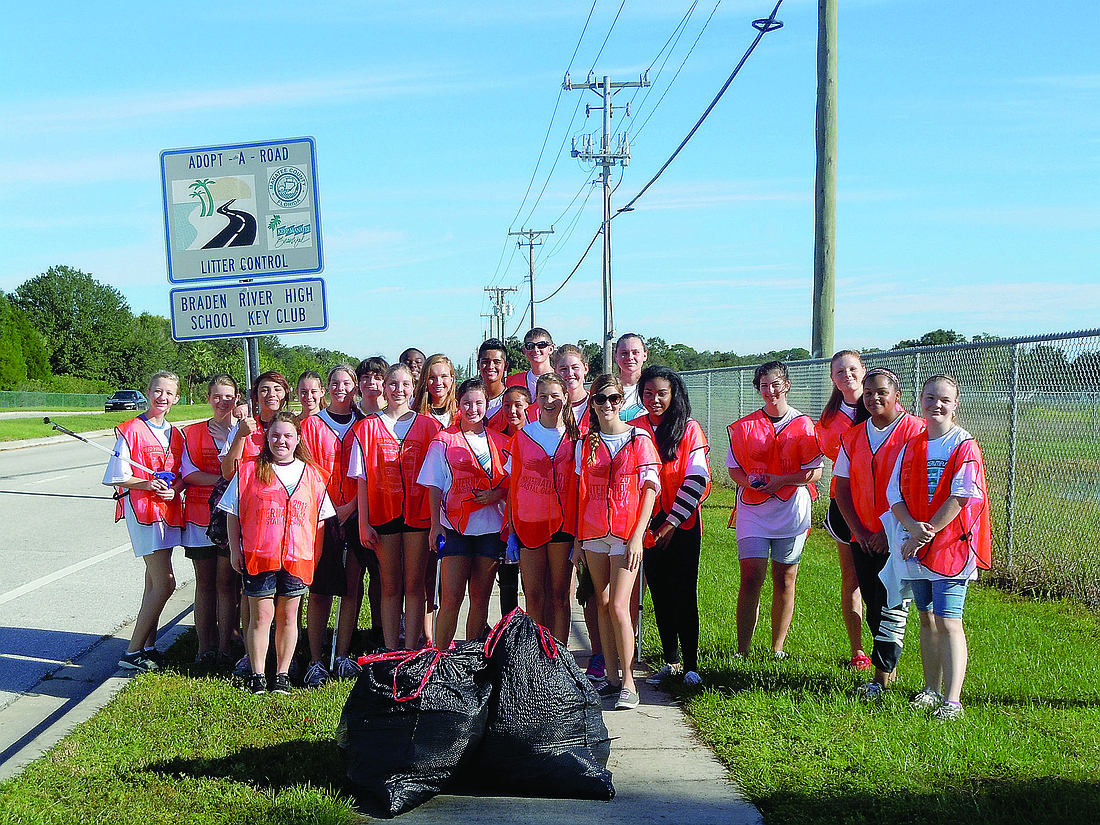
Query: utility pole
{"points": [[532, 235], [606, 158], [824, 299], [501, 309]]}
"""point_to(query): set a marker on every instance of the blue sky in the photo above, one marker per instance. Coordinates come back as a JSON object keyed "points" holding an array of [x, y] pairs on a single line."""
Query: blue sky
{"points": [[968, 162]]}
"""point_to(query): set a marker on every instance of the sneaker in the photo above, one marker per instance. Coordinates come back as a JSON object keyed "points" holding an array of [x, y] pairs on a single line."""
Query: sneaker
{"points": [[608, 690], [871, 692], [738, 657], [316, 675], [224, 662], [947, 711], [156, 656], [281, 684], [138, 660], [595, 672], [346, 668], [295, 669], [628, 700], [692, 679], [256, 683], [927, 699], [208, 658], [781, 655], [243, 667], [861, 661], [666, 671]]}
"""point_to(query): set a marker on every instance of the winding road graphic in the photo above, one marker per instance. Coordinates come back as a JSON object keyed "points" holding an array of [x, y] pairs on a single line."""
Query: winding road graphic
{"points": [[241, 230]]}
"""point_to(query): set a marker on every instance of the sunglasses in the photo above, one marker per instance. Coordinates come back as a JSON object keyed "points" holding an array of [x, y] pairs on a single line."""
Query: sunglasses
{"points": [[531, 345], [613, 399]]}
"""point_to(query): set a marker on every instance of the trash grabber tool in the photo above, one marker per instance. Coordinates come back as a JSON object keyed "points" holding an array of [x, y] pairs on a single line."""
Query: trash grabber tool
{"points": [[164, 475]]}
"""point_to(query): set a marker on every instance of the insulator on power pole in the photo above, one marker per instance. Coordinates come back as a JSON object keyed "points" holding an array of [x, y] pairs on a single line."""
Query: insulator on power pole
{"points": [[565, 83]]}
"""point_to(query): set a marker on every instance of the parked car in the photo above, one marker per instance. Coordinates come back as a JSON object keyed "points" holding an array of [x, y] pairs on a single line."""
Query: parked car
{"points": [[126, 400]]}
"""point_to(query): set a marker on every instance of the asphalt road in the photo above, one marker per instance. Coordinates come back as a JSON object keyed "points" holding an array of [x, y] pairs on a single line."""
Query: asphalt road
{"points": [[68, 576]]}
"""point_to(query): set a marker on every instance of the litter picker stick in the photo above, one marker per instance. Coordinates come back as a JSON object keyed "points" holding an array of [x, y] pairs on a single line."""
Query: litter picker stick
{"points": [[641, 610], [163, 475]]}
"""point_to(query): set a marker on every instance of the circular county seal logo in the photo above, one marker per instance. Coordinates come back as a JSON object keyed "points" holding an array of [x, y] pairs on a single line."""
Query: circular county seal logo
{"points": [[287, 187]]}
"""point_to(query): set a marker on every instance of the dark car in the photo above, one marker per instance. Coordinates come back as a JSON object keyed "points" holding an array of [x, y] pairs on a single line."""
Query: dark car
{"points": [[126, 400]]}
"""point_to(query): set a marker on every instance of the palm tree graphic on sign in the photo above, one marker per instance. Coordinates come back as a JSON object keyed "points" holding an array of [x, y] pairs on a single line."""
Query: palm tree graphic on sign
{"points": [[201, 190], [273, 224]]}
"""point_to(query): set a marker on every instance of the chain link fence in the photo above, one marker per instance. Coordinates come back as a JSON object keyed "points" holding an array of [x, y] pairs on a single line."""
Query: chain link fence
{"points": [[10, 399], [1034, 406]]}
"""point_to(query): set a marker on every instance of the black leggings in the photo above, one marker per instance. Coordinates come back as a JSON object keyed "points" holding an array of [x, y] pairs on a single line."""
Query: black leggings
{"points": [[672, 574], [887, 623], [508, 579]]}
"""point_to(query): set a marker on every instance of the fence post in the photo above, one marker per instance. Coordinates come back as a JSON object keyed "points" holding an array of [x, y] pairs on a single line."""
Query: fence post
{"points": [[915, 384], [708, 404], [1010, 491]]}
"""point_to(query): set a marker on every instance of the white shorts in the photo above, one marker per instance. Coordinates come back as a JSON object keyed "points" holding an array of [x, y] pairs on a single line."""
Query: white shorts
{"points": [[609, 545]]}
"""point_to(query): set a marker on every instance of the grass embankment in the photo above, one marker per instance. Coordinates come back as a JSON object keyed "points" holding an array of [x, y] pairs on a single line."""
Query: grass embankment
{"points": [[173, 747], [17, 429]]}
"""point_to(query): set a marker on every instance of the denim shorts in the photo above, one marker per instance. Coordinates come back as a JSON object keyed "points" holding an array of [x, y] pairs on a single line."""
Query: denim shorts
{"points": [[782, 551], [944, 597], [273, 583], [487, 546]]}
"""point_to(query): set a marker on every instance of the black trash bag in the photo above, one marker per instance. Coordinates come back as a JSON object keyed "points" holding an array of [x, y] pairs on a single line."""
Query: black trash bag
{"points": [[410, 721], [218, 529], [545, 735]]}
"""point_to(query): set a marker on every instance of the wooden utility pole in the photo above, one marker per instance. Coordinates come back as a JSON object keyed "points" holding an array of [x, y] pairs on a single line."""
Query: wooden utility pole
{"points": [[533, 240], [821, 334]]}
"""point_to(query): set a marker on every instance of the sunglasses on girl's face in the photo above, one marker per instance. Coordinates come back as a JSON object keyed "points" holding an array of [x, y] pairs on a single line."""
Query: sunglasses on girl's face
{"points": [[613, 399], [530, 345]]}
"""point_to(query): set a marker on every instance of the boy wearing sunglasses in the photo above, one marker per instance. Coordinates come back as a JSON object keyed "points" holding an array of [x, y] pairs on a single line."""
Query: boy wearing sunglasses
{"points": [[538, 347]]}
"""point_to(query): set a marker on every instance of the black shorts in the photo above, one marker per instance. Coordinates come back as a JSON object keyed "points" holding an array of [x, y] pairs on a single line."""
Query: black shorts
{"points": [[330, 576], [835, 525], [209, 551], [397, 525]]}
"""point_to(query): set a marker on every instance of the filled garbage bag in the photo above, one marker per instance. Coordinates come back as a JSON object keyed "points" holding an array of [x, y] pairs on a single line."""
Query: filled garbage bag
{"points": [[545, 734], [411, 719]]}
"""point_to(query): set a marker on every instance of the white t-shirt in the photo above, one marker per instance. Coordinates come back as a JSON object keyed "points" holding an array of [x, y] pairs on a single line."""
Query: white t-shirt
{"points": [[650, 473], [875, 437], [632, 403], [964, 485], [436, 472], [546, 437], [775, 518], [145, 538], [289, 474]]}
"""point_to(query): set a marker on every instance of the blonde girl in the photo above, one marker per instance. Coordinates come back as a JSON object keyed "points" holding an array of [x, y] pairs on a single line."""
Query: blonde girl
{"points": [[393, 506], [843, 410], [617, 482], [938, 494], [570, 364], [151, 507], [217, 585], [542, 501], [311, 393], [435, 391], [630, 358], [276, 504]]}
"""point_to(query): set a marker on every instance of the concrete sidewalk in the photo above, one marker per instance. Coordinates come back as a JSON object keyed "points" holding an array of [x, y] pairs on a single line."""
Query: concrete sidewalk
{"points": [[661, 771]]}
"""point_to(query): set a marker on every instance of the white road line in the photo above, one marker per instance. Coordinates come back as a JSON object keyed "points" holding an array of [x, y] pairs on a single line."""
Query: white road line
{"points": [[47, 480], [31, 586]]}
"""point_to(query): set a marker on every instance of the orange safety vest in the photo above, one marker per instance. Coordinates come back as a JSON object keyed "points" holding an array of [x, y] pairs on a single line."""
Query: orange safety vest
{"points": [[145, 448], [758, 448], [970, 531], [869, 475], [203, 453], [497, 421], [674, 472], [332, 454], [468, 477], [280, 530], [609, 497], [542, 492], [391, 470], [829, 433]]}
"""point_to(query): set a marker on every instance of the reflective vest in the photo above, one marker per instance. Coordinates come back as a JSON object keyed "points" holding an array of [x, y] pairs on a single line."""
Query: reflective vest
{"points": [[829, 433], [608, 493], [674, 472], [145, 448], [497, 421], [758, 448], [970, 531], [280, 530], [468, 477], [869, 475], [391, 470], [542, 492], [581, 416], [332, 454], [203, 453]]}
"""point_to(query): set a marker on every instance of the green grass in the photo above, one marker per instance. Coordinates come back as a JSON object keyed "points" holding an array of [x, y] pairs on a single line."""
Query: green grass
{"points": [[805, 750], [17, 429], [174, 747]]}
